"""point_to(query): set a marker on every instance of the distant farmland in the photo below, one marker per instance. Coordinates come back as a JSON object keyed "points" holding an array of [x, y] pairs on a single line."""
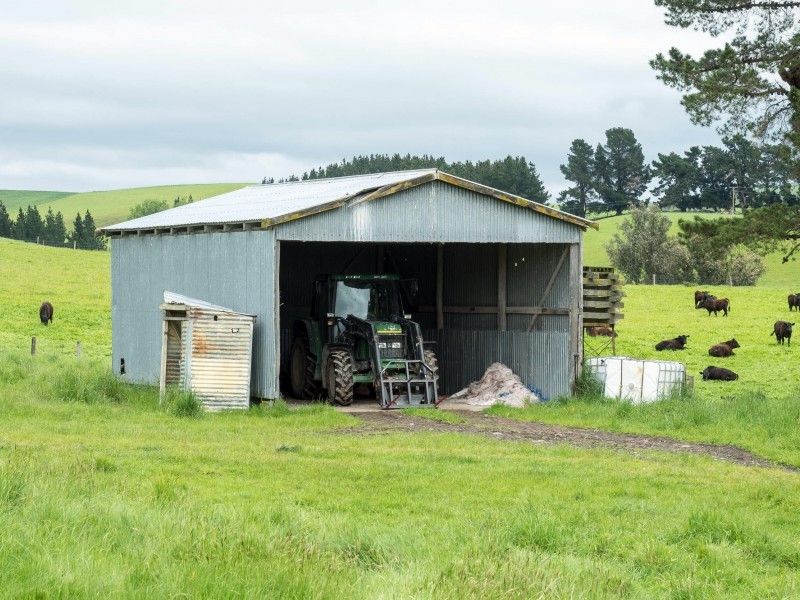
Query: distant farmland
{"points": [[110, 206]]}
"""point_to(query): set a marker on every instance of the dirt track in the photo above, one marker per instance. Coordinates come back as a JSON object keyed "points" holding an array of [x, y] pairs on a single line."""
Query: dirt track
{"points": [[507, 429]]}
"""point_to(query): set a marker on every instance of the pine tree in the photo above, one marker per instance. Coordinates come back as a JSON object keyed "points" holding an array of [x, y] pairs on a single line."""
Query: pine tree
{"points": [[579, 170], [77, 231], [752, 80], [622, 175], [91, 241], [55, 232], [34, 226], [6, 225], [20, 229]]}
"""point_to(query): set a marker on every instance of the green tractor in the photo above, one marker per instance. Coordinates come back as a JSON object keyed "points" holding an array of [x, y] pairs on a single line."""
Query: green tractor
{"points": [[358, 335]]}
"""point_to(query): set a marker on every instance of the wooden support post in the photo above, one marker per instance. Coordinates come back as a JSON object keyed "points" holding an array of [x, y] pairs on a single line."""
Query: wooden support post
{"points": [[502, 286], [33, 346], [162, 382], [549, 285], [78, 350], [575, 312], [440, 287]]}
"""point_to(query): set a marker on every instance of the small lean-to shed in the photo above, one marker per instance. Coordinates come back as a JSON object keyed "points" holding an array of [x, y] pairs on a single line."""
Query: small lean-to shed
{"points": [[207, 349]]}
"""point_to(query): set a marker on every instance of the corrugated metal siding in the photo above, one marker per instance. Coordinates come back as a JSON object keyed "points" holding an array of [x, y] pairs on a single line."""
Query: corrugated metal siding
{"points": [[230, 269], [433, 212], [540, 358], [220, 359]]}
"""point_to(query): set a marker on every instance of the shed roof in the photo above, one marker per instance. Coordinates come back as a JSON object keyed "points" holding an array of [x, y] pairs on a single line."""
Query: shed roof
{"points": [[275, 203], [181, 300]]}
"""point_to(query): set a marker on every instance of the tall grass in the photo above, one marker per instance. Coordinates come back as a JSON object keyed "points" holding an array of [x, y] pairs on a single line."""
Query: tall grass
{"points": [[103, 493]]}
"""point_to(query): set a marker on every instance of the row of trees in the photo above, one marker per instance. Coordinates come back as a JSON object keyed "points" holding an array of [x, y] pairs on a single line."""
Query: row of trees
{"points": [[614, 176], [149, 207], [513, 174], [51, 230], [643, 251]]}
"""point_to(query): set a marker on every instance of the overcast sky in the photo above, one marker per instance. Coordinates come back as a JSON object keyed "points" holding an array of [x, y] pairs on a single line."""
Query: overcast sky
{"points": [[98, 96]]}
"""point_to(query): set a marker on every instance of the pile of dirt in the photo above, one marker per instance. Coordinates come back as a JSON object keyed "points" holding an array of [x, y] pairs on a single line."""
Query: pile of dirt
{"points": [[499, 385]]}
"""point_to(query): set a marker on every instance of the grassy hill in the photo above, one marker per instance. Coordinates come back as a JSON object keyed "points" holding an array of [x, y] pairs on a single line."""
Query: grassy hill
{"points": [[16, 199], [778, 275], [105, 493], [113, 206]]}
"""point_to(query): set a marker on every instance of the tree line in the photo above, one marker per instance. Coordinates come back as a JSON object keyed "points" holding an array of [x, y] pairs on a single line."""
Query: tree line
{"points": [[514, 174], [614, 176], [29, 226]]}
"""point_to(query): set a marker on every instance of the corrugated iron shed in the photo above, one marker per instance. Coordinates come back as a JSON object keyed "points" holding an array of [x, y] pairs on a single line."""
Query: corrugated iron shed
{"points": [[274, 203], [500, 275]]}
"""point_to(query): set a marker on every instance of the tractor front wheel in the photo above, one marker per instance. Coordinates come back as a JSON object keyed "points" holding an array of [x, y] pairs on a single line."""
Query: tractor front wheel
{"points": [[339, 377]]}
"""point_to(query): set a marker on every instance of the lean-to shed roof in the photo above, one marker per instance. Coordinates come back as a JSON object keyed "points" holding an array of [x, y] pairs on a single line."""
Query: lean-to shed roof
{"points": [[171, 298], [266, 205]]}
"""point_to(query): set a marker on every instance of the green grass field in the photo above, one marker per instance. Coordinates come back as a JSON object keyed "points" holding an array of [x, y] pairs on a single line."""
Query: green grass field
{"points": [[778, 275], [103, 493], [76, 282], [110, 206], [13, 200], [113, 206]]}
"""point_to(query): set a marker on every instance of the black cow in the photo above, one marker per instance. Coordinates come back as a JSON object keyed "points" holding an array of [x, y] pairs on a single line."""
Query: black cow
{"points": [[718, 374], [678, 343], [782, 331], [700, 296], [711, 304], [794, 301], [46, 313], [724, 349]]}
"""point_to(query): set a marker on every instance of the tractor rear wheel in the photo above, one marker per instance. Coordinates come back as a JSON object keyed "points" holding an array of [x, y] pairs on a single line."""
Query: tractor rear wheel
{"points": [[302, 365], [339, 377]]}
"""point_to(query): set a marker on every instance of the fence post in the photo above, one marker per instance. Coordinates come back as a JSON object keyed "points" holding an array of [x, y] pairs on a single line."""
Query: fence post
{"points": [[78, 350], [654, 278], [74, 244], [33, 346]]}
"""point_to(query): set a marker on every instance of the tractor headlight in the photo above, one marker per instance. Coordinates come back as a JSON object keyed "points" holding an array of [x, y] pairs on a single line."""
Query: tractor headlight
{"points": [[382, 345], [397, 345]]}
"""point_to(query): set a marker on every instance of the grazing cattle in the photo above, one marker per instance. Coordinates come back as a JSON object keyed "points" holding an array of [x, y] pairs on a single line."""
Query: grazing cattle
{"points": [[601, 331], [782, 331], [718, 374], [794, 301], [711, 304], [46, 313], [724, 349], [678, 343], [699, 297]]}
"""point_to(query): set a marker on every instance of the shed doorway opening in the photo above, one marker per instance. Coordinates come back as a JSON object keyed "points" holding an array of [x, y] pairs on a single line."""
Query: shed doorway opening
{"points": [[477, 303]]}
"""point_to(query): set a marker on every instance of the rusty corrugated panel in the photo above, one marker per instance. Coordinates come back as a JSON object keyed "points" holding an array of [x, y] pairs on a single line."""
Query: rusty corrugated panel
{"points": [[220, 358]]}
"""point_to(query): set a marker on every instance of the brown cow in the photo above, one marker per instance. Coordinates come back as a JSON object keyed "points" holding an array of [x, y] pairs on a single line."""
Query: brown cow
{"points": [[711, 304], [794, 301], [601, 331], [699, 296], [718, 374], [724, 349], [782, 331], [46, 313], [678, 343]]}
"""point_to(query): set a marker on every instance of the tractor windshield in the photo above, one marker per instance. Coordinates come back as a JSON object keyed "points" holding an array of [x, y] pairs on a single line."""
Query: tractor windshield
{"points": [[369, 300]]}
